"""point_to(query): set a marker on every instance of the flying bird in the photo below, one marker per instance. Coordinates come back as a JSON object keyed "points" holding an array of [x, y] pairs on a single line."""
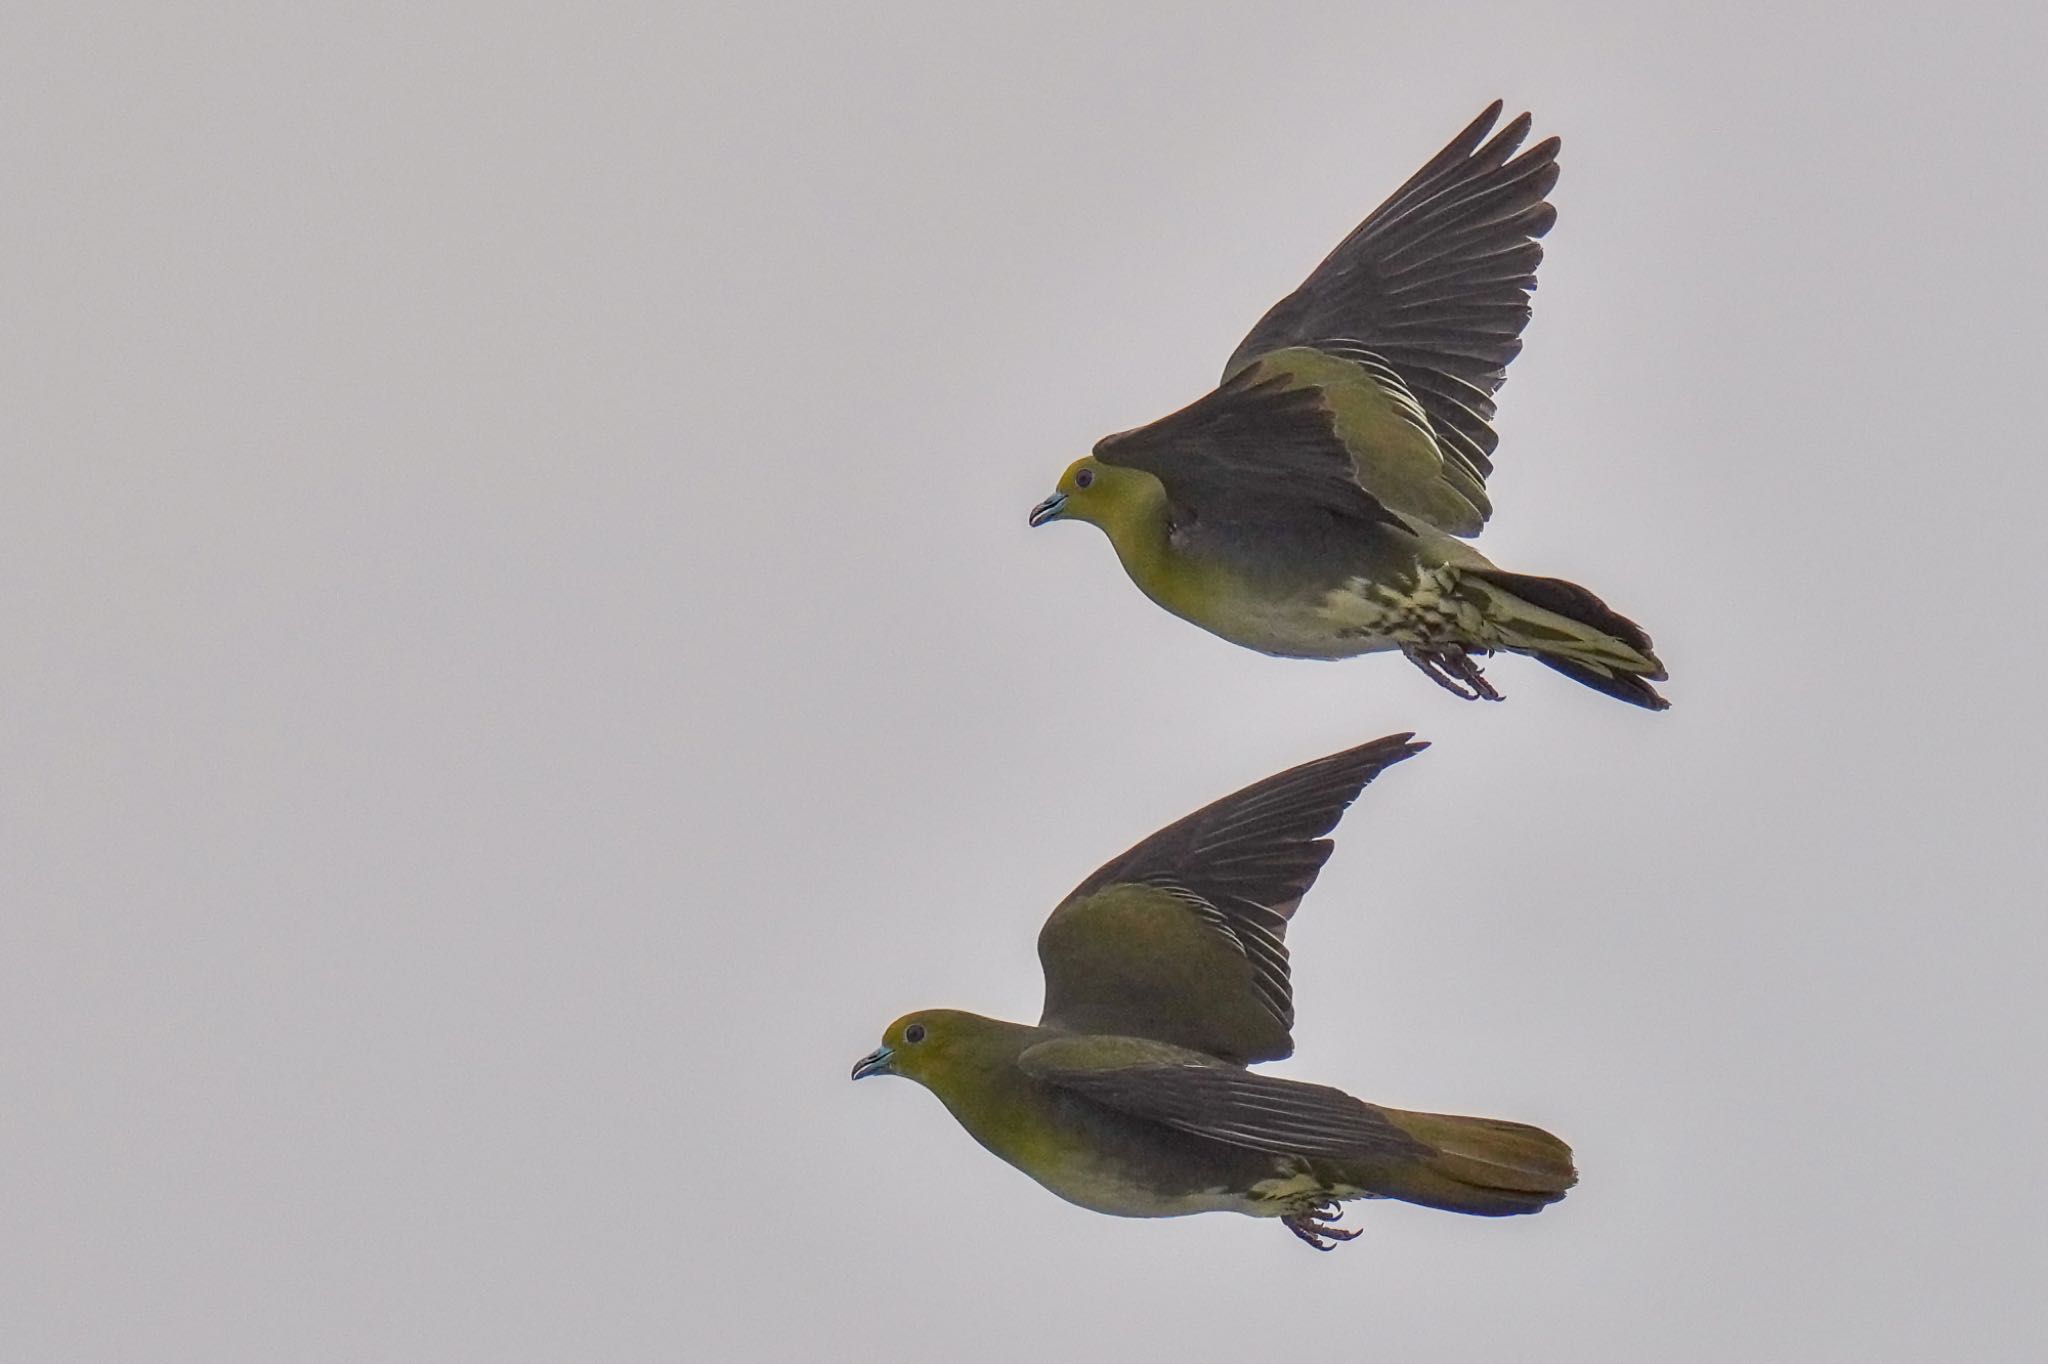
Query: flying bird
{"points": [[1315, 504], [1166, 977]]}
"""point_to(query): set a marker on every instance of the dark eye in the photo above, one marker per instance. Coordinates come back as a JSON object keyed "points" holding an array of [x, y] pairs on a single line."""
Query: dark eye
{"points": [[914, 1034], [1084, 478]]}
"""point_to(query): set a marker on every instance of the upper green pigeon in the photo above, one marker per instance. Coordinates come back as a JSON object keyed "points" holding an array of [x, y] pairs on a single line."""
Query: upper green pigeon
{"points": [[1313, 504]]}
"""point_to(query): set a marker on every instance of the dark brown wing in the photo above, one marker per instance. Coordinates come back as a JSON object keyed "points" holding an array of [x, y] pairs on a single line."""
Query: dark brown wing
{"points": [[1225, 1103], [1183, 938], [1435, 283], [1258, 447]]}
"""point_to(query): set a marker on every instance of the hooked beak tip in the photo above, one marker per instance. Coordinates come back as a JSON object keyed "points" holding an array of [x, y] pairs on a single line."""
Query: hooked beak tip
{"points": [[1049, 510], [875, 1062]]}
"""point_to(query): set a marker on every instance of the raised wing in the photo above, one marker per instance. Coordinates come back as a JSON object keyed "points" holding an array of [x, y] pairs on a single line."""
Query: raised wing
{"points": [[1182, 939], [1433, 290], [1226, 1103]]}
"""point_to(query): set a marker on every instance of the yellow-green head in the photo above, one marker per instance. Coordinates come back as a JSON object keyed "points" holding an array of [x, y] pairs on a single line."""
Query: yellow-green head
{"points": [[1097, 493], [931, 1045]]}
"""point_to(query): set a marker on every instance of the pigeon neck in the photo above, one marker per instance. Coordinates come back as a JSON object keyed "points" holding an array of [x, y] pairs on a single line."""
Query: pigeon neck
{"points": [[1141, 531]]}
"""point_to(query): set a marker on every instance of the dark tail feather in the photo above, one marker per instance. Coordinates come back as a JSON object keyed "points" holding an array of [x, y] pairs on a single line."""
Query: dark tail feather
{"points": [[1629, 687], [1575, 603], [1567, 627]]}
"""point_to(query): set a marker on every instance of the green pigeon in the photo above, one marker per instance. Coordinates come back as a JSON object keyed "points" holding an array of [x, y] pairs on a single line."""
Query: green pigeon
{"points": [[1166, 977], [1313, 505]]}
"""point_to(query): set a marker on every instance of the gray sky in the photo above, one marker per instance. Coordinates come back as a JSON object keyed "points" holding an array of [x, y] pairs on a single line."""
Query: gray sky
{"points": [[524, 654]]}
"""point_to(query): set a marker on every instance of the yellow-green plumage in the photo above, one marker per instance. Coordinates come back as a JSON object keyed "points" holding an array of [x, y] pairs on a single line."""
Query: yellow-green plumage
{"points": [[1370, 410], [1311, 506], [1166, 977]]}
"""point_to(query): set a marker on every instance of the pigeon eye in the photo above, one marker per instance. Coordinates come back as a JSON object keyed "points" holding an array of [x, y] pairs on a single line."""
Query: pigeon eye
{"points": [[1084, 478], [914, 1034]]}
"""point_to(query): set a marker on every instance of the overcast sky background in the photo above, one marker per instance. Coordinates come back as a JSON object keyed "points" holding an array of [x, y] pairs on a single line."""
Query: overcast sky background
{"points": [[523, 654]]}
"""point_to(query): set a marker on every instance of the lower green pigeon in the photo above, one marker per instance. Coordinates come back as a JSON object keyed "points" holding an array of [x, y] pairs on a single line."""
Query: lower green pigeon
{"points": [[1166, 976]]}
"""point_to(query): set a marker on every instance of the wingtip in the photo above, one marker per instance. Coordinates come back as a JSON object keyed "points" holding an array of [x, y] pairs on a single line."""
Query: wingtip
{"points": [[1383, 752], [1469, 140]]}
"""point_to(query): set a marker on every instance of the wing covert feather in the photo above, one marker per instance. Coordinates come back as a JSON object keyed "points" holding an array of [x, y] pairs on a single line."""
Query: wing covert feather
{"points": [[1183, 937], [1223, 1102], [1261, 445]]}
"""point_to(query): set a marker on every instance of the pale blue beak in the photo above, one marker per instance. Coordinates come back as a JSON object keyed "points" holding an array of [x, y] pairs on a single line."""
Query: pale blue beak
{"points": [[875, 1062], [1049, 510]]}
